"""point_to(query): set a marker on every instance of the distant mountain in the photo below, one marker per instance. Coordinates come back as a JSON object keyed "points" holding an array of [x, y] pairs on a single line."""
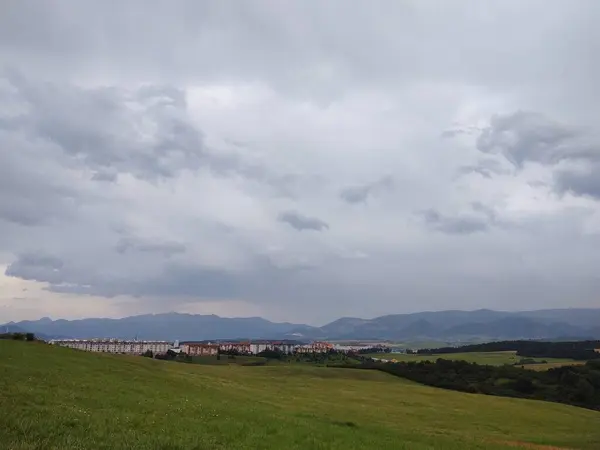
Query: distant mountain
{"points": [[464, 325], [11, 328], [170, 326], [447, 326], [515, 328]]}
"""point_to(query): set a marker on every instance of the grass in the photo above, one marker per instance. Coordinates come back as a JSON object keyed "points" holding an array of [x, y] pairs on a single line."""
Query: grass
{"points": [[57, 398], [224, 360], [490, 358]]}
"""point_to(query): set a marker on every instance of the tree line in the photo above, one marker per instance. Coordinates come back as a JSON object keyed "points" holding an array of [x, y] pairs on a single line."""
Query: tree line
{"points": [[18, 336], [574, 385], [578, 350]]}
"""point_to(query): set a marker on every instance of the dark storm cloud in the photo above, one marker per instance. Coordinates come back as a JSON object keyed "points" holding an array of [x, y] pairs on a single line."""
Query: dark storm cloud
{"points": [[301, 222]]}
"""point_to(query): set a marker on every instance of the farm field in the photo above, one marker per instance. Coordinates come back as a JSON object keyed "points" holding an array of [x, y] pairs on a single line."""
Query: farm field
{"points": [[490, 358], [57, 398], [552, 365]]}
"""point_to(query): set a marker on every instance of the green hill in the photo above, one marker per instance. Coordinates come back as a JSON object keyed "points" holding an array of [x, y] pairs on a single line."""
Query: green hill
{"points": [[56, 398]]}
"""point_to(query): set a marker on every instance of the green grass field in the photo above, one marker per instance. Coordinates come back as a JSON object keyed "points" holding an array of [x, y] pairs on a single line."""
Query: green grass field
{"points": [[224, 359], [57, 398], [490, 358]]}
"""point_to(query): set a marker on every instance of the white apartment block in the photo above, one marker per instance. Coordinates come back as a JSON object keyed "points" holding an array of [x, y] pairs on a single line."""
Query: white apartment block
{"points": [[199, 349], [114, 345]]}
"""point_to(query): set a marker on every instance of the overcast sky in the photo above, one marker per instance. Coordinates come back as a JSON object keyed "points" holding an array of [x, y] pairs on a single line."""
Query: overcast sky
{"points": [[298, 160]]}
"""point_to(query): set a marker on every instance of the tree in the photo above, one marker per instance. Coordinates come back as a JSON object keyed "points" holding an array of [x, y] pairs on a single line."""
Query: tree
{"points": [[584, 391], [148, 354], [524, 385]]}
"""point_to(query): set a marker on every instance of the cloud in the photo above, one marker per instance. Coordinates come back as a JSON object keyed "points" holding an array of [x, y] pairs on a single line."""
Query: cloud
{"points": [[579, 181], [531, 137], [154, 170], [487, 168], [358, 194], [572, 154], [36, 267], [150, 131], [301, 222], [454, 225], [135, 245]]}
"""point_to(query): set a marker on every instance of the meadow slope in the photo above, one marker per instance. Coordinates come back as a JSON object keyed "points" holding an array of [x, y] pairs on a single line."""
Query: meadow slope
{"points": [[56, 398]]}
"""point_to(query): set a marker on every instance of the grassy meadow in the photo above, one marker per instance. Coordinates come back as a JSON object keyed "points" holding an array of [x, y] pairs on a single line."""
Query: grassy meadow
{"points": [[57, 398], [489, 358]]}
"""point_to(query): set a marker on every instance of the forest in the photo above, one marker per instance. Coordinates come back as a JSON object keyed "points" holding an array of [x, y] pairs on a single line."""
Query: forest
{"points": [[577, 385], [578, 350]]}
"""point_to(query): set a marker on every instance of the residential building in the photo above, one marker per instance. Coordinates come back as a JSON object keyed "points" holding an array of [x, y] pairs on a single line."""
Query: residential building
{"points": [[287, 347], [315, 347], [199, 348], [114, 345], [242, 347]]}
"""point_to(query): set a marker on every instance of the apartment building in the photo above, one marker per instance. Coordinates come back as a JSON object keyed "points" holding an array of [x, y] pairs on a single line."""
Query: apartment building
{"points": [[114, 345], [199, 349], [243, 347], [287, 347], [315, 347]]}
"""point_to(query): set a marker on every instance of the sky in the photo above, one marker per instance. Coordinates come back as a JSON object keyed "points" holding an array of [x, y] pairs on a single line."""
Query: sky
{"points": [[298, 160]]}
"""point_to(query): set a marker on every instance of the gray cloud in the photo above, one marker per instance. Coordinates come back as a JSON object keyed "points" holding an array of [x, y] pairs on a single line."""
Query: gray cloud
{"points": [[531, 137], [186, 281], [33, 190], [585, 182], [454, 225], [301, 222], [150, 132], [36, 267], [358, 194], [527, 136], [477, 218], [487, 168], [105, 176], [139, 158], [136, 245]]}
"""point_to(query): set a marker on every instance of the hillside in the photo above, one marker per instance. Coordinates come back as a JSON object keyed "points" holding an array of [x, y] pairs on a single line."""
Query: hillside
{"points": [[465, 325], [445, 326], [60, 398]]}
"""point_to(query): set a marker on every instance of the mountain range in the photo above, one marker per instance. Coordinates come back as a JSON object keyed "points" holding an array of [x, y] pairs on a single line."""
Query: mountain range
{"points": [[447, 326]]}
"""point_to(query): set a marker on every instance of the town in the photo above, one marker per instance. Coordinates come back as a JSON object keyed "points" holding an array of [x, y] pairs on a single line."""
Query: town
{"points": [[202, 348]]}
